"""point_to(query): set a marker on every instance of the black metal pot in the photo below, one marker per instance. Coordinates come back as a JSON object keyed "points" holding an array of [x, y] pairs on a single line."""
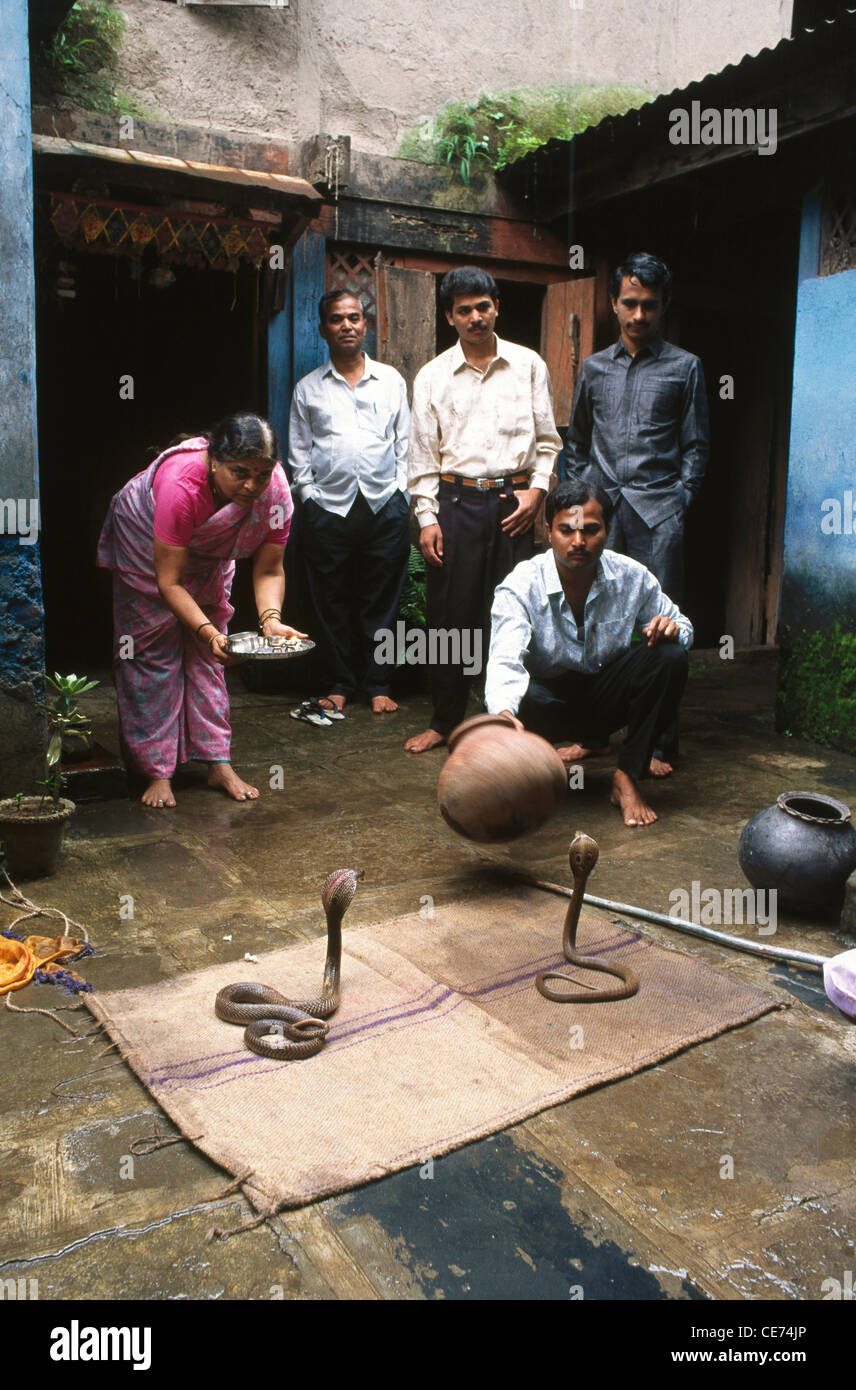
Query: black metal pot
{"points": [[804, 846]]}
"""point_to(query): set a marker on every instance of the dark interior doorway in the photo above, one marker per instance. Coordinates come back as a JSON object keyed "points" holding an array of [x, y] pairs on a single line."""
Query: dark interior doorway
{"points": [[519, 315], [192, 349]]}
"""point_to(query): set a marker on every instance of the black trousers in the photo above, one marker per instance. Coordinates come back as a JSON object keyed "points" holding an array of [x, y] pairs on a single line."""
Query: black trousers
{"points": [[661, 549], [641, 688], [355, 567], [477, 555]]}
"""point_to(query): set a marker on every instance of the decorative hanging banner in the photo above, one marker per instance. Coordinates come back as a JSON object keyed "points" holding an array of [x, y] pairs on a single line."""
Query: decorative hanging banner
{"points": [[126, 229]]}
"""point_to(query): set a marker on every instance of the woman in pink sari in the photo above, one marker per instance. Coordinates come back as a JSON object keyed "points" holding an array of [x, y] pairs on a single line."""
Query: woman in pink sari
{"points": [[171, 538]]}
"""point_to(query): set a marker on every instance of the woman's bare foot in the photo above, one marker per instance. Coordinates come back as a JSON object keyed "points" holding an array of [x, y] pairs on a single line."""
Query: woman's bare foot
{"points": [[223, 775], [338, 700], [659, 768], [575, 753], [420, 743], [626, 795], [158, 793], [382, 704]]}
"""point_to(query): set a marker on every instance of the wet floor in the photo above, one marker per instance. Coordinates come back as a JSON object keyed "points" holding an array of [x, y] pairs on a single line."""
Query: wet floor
{"points": [[725, 1172]]}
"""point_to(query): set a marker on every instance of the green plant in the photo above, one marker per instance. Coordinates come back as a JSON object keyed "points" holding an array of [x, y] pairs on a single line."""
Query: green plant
{"points": [[88, 39], [816, 697], [82, 59], [64, 721], [458, 142], [497, 129], [411, 605]]}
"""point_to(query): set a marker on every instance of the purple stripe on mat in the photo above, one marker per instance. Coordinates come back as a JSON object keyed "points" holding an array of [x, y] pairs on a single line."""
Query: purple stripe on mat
{"points": [[381, 1023], [176, 1068], [249, 1063], [225, 1061], [251, 1060]]}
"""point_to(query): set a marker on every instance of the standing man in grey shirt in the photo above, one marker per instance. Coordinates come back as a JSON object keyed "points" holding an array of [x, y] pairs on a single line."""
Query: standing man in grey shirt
{"points": [[347, 452], [639, 429]]}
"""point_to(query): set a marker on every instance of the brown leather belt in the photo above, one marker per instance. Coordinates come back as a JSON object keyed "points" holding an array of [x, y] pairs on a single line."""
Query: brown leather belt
{"points": [[486, 484]]}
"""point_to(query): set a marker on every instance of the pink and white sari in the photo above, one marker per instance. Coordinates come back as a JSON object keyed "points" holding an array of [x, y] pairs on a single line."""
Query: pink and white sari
{"points": [[173, 703]]}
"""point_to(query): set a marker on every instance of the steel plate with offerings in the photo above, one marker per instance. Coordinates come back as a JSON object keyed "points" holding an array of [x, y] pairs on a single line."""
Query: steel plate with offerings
{"points": [[251, 646]]}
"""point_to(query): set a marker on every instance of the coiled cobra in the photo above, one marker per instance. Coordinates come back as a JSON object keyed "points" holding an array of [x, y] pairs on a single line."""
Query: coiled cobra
{"points": [[583, 856], [289, 1029]]}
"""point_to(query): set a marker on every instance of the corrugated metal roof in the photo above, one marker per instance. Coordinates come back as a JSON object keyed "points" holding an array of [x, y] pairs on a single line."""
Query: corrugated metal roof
{"points": [[219, 173], [790, 55]]}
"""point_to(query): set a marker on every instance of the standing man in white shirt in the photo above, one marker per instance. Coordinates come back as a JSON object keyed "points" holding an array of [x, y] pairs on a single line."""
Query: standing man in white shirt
{"points": [[348, 458], [483, 445]]}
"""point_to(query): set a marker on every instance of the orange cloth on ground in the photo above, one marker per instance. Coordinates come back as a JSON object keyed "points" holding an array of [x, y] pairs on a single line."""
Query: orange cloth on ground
{"points": [[19, 960]]}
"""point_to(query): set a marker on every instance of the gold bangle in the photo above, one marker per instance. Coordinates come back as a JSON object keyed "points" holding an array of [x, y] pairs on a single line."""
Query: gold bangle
{"points": [[270, 613], [207, 623], [213, 639]]}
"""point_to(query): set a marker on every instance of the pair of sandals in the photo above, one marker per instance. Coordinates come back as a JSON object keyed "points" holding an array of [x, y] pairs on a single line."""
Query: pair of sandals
{"points": [[319, 711]]}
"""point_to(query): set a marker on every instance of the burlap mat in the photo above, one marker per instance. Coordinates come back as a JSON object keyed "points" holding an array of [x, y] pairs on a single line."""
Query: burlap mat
{"points": [[441, 1038]]}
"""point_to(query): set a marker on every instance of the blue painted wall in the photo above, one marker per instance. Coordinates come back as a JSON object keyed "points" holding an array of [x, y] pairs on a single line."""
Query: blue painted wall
{"points": [[295, 346], [280, 359], [21, 632], [817, 682], [820, 547], [309, 281]]}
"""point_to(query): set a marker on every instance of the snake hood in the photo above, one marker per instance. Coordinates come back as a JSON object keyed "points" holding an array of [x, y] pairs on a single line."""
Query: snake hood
{"points": [[340, 887]]}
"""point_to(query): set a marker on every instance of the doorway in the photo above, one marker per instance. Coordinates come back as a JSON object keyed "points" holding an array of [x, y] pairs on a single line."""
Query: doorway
{"points": [[519, 319], [132, 360]]}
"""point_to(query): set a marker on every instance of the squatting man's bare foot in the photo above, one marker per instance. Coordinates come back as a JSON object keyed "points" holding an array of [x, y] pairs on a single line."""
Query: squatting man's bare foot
{"points": [[659, 768], [421, 743], [626, 795], [575, 753]]}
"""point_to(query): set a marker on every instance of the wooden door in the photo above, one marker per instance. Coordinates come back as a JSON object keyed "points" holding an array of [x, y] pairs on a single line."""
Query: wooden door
{"points": [[406, 319], [567, 338]]}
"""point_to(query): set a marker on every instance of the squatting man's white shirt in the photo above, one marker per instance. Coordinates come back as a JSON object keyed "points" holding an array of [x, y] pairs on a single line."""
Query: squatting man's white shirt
{"points": [[534, 633]]}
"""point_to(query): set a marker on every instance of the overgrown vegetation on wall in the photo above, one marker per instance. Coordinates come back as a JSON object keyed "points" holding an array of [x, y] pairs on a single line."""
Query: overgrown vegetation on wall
{"points": [[81, 62], [497, 129], [817, 686]]}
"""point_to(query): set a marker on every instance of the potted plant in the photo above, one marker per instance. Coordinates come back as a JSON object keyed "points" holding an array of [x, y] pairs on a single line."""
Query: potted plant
{"points": [[31, 827]]}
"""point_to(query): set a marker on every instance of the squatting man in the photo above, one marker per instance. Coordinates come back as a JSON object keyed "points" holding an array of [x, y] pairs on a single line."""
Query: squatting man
{"points": [[561, 650]]}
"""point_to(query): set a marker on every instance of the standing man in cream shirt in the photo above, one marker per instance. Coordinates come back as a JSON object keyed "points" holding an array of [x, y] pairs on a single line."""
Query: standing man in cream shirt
{"points": [[483, 444]]}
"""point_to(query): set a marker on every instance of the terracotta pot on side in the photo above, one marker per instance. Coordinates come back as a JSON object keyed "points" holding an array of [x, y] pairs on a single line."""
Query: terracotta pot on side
{"points": [[31, 834], [499, 782]]}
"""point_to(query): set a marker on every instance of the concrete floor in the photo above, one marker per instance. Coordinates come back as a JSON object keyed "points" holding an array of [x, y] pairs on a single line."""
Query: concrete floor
{"points": [[617, 1194]]}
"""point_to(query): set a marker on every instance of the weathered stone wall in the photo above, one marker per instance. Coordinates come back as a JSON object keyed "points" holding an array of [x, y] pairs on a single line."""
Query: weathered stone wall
{"points": [[374, 71], [21, 641]]}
